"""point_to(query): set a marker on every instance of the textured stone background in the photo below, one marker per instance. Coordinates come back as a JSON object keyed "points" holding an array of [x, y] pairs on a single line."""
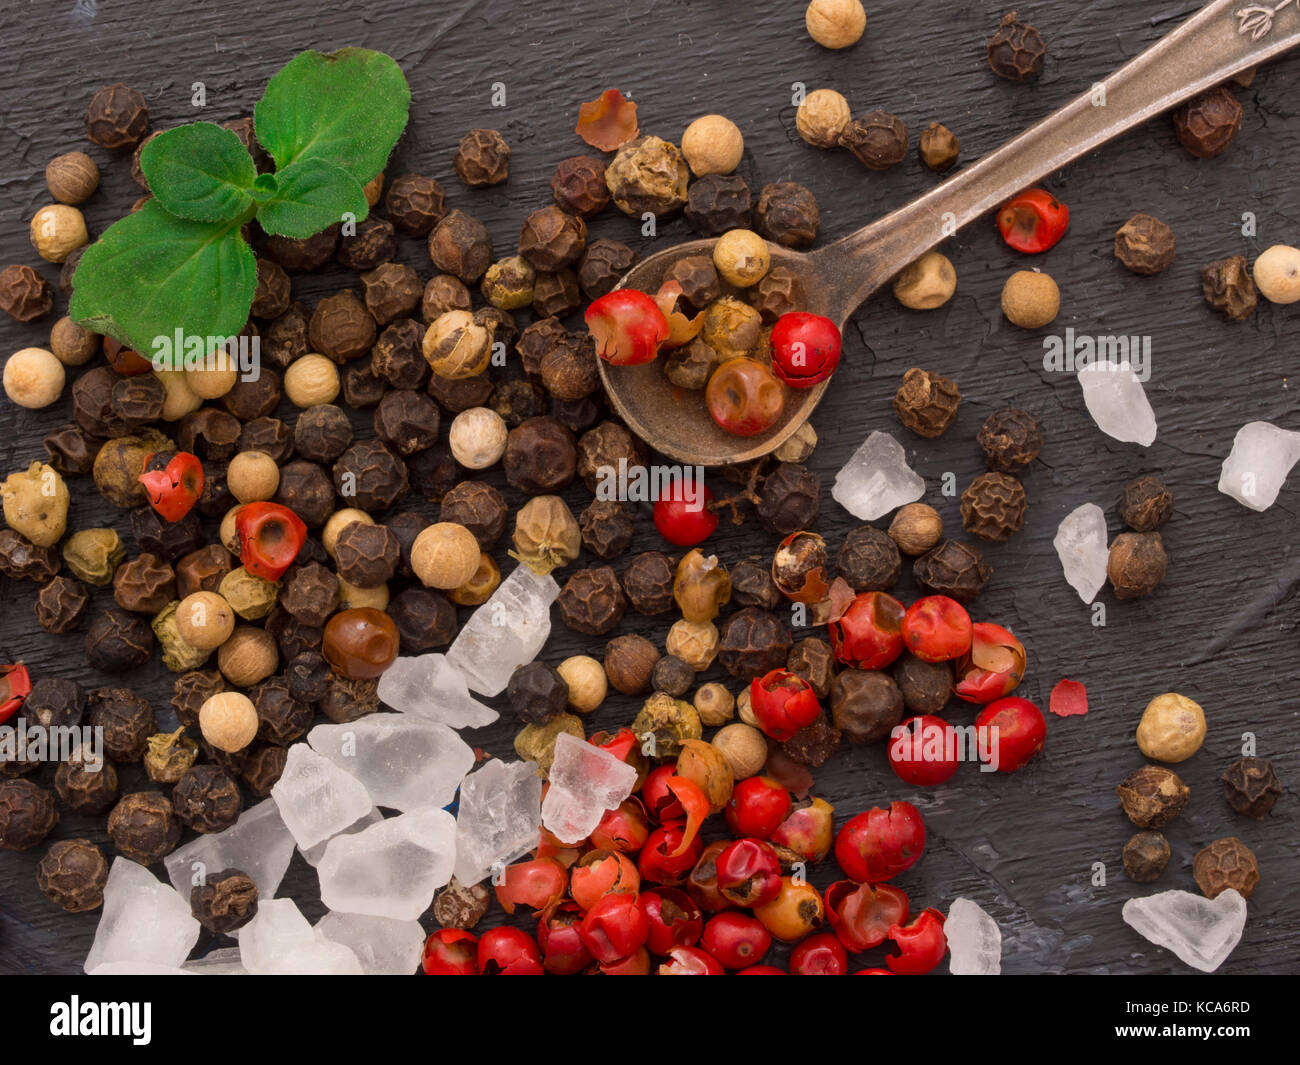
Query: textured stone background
{"points": [[1223, 628]]}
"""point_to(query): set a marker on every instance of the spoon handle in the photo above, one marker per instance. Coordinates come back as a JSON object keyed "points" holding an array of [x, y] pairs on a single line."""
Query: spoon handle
{"points": [[1222, 39]]}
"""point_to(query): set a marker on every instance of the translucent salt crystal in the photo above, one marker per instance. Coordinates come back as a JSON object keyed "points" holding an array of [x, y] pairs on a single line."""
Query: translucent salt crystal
{"points": [[280, 942], [403, 762], [427, 686], [224, 961], [1117, 402], [390, 869], [144, 922], [384, 947], [1261, 459], [316, 798], [1080, 544], [585, 782], [498, 817], [258, 844], [1201, 931], [506, 632], [974, 940], [313, 855], [877, 479], [136, 968]]}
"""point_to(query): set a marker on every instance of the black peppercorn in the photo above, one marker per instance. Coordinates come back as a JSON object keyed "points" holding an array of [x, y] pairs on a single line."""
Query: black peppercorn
{"points": [[552, 239], [22, 560], [578, 186], [27, 815], [55, 702], [271, 296], [310, 592], [578, 415], [753, 642], [126, 719], [286, 337], [717, 203], [390, 291], [1016, 50], [366, 554], [144, 585], [209, 433], [304, 254], [556, 294], [263, 767], [629, 664], [322, 433], [1145, 856], [479, 507], [61, 604], [406, 526], [349, 700], [607, 528], [461, 246], [1010, 439], [433, 472], [117, 117], [569, 370], [1147, 503], [224, 901], [648, 582], [117, 642], [993, 507], [374, 242], [780, 292], [407, 421], [249, 400], [281, 717], [698, 279], [456, 394], [207, 799], [592, 601], [138, 399], [672, 675], [1228, 287], [191, 690], [459, 906], [878, 140], [443, 293], [202, 570], [953, 568], [601, 452], [72, 875], [308, 676], [306, 489], [791, 498], [1145, 244], [813, 660], [144, 826], [541, 456], [603, 265], [1152, 796], [787, 214], [926, 686], [86, 788], [341, 327], [752, 585], [927, 402], [92, 403], [24, 294], [71, 452], [69, 269], [813, 744], [268, 435], [865, 704], [938, 147], [1136, 564], [369, 476], [1250, 785], [415, 203], [425, 619], [1206, 124], [482, 159], [537, 693], [169, 540], [535, 341], [869, 560], [397, 356], [517, 400]]}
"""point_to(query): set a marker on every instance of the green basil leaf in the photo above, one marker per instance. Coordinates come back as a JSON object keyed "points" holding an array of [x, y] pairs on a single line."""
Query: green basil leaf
{"points": [[199, 171], [311, 195], [347, 108], [152, 274]]}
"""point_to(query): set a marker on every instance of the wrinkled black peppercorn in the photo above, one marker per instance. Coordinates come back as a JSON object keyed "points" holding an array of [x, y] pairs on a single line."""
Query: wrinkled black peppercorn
{"points": [[117, 641], [787, 214], [22, 560], [72, 875], [61, 604], [369, 476], [1147, 503], [603, 265], [55, 702], [479, 507], [592, 601], [1206, 124], [607, 528], [224, 901], [993, 507], [87, 788], [27, 815], [865, 705], [717, 203], [263, 766], [1145, 856], [482, 159], [791, 498], [207, 799], [869, 560], [753, 642], [1016, 50], [878, 140], [425, 619], [953, 568], [578, 185], [191, 690], [308, 676], [926, 686], [127, 721], [281, 718], [1251, 786], [537, 693], [648, 582], [541, 456], [752, 585], [374, 242], [1010, 439], [144, 826]]}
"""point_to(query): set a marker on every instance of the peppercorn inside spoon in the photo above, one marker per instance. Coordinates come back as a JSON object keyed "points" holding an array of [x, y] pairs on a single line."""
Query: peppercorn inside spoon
{"points": [[1210, 47]]}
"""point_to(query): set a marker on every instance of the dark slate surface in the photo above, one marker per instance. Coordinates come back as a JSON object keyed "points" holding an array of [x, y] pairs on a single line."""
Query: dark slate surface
{"points": [[1223, 628]]}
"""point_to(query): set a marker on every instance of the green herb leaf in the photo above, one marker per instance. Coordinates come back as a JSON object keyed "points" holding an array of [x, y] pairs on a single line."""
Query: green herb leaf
{"points": [[199, 171], [347, 108], [310, 196], [152, 273]]}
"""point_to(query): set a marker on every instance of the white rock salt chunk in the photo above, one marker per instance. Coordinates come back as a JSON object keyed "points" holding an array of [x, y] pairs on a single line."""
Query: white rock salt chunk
{"points": [[429, 687], [585, 782], [506, 632], [877, 479], [313, 855], [390, 869], [224, 961], [384, 947], [498, 817], [1201, 931], [1080, 544], [136, 968], [258, 844], [144, 922], [1117, 402], [1258, 465], [974, 940], [316, 798], [280, 942]]}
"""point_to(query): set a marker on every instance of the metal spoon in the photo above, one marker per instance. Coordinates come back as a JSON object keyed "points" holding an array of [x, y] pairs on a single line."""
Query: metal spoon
{"points": [[1222, 39]]}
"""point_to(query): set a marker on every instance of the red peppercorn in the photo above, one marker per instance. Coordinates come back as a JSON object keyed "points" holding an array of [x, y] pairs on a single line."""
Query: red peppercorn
{"points": [[674, 917], [756, 807], [993, 667], [614, 927], [1034, 221], [684, 518], [539, 883], [270, 537], [783, 702], [15, 686], [624, 829], [174, 489], [861, 915], [736, 939], [761, 970], [628, 327], [819, 955], [805, 348], [921, 944], [808, 830], [657, 862], [450, 952], [560, 939], [923, 750], [599, 873], [691, 961], [507, 951], [869, 634], [937, 629], [879, 844], [1018, 731], [749, 872]]}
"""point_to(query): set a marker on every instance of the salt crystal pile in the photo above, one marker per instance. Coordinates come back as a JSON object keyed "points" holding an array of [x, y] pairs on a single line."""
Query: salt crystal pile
{"points": [[258, 844], [427, 686], [316, 798], [403, 762], [390, 869], [1080, 544], [224, 961], [1117, 402], [1261, 459], [877, 479], [384, 947], [974, 940], [1201, 931], [497, 819], [280, 942], [144, 923], [585, 782], [313, 855], [506, 632]]}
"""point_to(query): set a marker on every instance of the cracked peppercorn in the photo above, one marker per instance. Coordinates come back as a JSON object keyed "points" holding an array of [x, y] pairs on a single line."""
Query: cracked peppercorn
{"points": [[459, 906], [927, 402], [993, 507], [878, 140], [1016, 50], [72, 875], [1228, 287], [1146, 504], [225, 901], [1152, 796]]}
